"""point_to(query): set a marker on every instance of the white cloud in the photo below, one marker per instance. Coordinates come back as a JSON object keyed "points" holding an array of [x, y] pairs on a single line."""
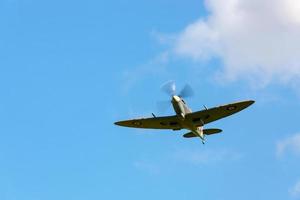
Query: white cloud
{"points": [[295, 190], [256, 39], [290, 144]]}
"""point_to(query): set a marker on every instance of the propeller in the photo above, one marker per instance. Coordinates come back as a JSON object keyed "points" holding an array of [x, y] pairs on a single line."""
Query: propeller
{"points": [[170, 89], [162, 106], [186, 92]]}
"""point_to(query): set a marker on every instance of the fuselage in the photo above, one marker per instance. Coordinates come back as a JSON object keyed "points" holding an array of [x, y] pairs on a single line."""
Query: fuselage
{"points": [[180, 107], [181, 110]]}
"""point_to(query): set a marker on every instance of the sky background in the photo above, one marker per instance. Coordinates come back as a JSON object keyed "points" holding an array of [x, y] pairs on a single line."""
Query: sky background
{"points": [[70, 69]]}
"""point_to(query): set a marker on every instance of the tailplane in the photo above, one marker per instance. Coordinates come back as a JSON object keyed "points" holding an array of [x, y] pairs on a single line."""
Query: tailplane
{"points": [[209, 131]]}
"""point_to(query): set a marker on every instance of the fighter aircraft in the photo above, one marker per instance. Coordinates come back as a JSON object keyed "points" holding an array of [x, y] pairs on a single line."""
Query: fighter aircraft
{"points": [[185, 118]]}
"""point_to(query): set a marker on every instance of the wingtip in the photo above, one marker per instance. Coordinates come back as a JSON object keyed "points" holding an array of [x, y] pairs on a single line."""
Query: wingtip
{"points": [[248, 103], [251, 102], [117, 123]]}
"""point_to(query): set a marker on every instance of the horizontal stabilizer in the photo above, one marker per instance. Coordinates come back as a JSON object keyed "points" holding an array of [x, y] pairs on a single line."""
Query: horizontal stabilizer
{"points": [[189, 135], [205, 132], [211, 131]]}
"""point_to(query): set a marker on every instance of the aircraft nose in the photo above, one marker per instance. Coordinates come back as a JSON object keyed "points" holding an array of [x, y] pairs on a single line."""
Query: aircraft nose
{"points": [[176, 98]]}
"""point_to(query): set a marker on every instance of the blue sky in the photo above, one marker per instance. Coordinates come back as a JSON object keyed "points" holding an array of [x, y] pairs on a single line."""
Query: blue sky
{"points": [[69, 69]]}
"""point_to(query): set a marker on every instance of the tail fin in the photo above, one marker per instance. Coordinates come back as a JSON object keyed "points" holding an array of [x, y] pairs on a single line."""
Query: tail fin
{"points": [[205, 132]]}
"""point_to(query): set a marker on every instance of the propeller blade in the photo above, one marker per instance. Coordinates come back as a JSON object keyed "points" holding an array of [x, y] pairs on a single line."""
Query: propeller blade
{"points": [[162, 106], [169, 88], [187, 91]]}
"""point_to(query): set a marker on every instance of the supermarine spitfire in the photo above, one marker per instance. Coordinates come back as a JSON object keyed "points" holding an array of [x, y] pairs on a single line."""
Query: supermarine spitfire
{"points": [[185, 118]]}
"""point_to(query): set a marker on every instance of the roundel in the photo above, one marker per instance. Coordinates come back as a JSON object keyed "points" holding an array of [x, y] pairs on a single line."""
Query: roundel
{"points": [[230, 108]]}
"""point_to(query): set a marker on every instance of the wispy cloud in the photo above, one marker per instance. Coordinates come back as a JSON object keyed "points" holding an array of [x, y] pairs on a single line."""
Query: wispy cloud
{"points": [[147, 166], [186, 157], [255, 39], [154, 67], [208, 156], [295, 190], [289, 144]]}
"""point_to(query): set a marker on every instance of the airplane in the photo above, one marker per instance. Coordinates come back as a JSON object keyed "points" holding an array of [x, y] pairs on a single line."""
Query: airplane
{"points": [[185, 118]]}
